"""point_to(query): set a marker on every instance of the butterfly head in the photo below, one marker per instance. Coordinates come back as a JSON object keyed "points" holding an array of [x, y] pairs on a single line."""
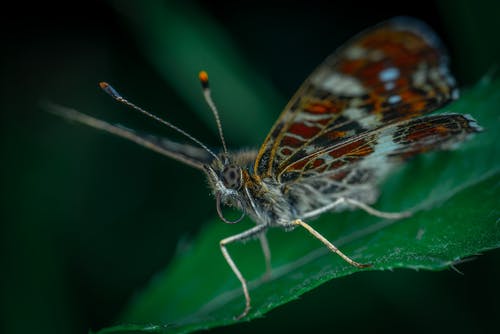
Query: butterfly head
{"points": [[226, 179]]}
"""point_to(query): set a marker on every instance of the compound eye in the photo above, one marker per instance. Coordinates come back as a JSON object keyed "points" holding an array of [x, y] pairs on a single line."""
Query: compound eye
{"points": [[231, 177]]}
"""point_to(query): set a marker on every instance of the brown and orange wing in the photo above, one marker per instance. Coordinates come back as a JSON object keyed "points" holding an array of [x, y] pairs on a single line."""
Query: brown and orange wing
{"points": [[392, 72], [353, 168], [374, 153]]}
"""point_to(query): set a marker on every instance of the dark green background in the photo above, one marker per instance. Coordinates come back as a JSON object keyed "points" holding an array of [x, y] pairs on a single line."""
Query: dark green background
{"points": [[87, 219]]}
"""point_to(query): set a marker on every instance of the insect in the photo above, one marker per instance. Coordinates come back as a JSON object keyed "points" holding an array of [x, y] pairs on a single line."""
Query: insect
{"points": [[355, 118]]}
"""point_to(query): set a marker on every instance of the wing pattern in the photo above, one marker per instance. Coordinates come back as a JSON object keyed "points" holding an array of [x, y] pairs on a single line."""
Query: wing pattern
{"points": [[353, 168], [393, 72]]}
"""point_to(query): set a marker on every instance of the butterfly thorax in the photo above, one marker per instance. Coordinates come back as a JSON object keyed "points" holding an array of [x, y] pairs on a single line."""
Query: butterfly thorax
{"points": [[269, 205]]}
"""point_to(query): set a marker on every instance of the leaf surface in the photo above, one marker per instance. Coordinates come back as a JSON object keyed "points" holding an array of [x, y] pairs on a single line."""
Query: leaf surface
{"points": [[455, 195]]}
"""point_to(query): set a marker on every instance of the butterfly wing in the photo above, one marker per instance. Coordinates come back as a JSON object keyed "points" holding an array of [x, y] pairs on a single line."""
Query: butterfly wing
{"points": [[353, 167], [395, 71]]}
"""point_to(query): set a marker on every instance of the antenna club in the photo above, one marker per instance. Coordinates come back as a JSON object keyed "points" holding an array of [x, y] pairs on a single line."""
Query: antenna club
{"points": [[110, 90], [203, 76]]}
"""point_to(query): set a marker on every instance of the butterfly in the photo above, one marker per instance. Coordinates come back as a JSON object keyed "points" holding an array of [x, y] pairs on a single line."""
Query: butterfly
{"points": [[355, 118]]}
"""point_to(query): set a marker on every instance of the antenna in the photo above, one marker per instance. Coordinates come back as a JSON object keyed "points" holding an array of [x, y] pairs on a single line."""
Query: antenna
{"points": [[115, 95], [203, 76]]}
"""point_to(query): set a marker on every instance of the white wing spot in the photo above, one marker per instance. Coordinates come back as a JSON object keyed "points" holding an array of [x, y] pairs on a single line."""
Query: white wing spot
{"points": [[378, 161], [394, 99], [389, 74], [420, 76], [341, 84], [355, 52], [360, 115]]}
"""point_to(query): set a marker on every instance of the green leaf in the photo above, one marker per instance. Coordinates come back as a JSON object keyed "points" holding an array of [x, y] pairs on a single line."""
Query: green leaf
{"points": [[455, 194]]}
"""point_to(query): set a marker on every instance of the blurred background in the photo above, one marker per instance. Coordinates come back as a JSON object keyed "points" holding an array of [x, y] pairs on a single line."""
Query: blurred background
{"points": [[87, 219]]}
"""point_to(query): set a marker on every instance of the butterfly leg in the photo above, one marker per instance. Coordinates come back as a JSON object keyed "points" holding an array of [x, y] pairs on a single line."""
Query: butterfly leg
{"points": [[377, 213], [267, 255], [328, 244], [248, 234]]}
